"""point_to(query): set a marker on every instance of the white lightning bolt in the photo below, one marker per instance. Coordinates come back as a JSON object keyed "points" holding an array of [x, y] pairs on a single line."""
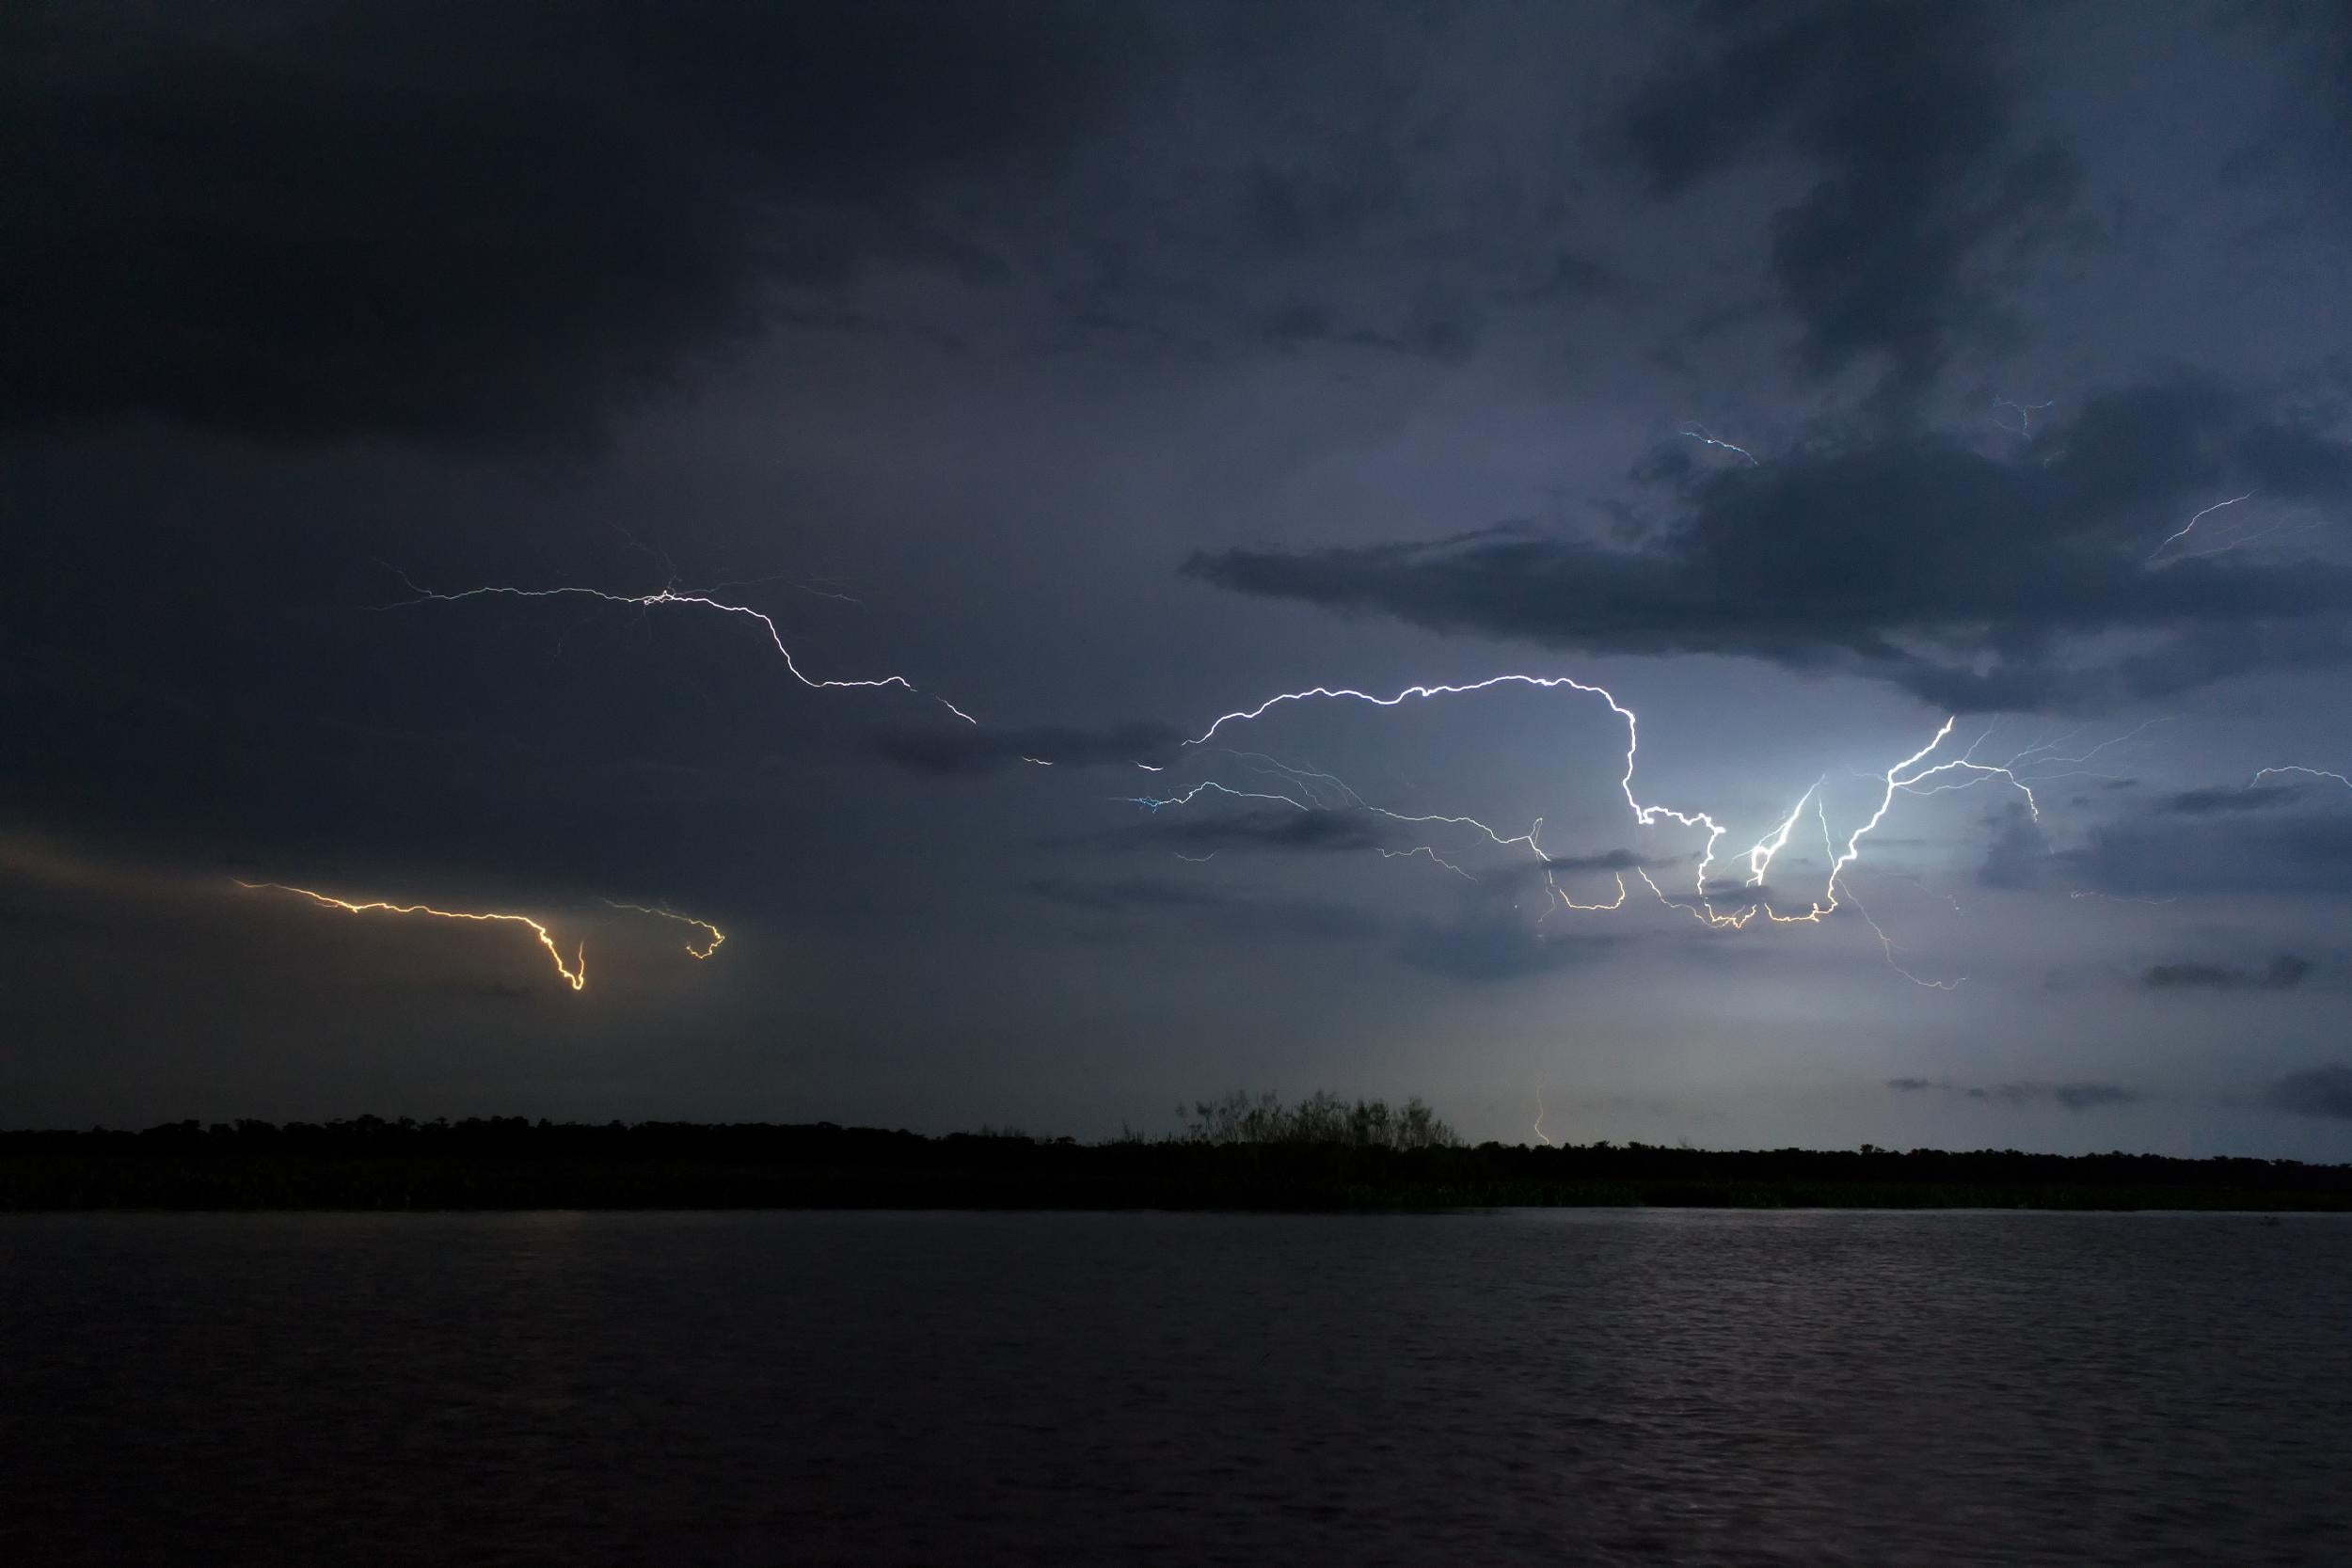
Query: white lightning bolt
{"points": [[1914, 774], [1699, 435], [672, 596], [2182, 531], [2290, 768], [1431, 854]]}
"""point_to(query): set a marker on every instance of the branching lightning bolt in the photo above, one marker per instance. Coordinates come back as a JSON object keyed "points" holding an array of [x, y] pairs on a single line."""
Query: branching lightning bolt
{"points": [[1308, 789], [1915, 774]]}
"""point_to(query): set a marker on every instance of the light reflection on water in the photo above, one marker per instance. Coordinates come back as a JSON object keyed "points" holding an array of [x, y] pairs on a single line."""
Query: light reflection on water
{"points": [[1536, 1387]]}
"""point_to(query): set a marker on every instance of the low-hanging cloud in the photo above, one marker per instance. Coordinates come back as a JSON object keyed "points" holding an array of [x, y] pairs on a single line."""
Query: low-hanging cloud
{"points": [[2320, 1091], [2075, 1095], [1336, 832], [2211, 802], [1209, 907], [2283, 972], [2159, 854]]}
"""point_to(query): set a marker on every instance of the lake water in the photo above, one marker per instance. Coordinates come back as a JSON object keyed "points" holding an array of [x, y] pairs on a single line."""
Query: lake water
{"points": [[1528, 1387]]}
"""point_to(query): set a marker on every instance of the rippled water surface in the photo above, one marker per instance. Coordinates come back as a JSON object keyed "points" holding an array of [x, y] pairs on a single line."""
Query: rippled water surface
{"points": [[1531, 1387]]}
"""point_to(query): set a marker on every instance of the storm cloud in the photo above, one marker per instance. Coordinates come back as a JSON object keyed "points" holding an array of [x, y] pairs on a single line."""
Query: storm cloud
{"points": [[1969, 578], [1102, 368], [1909, 117], [2320, 1091], [473, 224]]}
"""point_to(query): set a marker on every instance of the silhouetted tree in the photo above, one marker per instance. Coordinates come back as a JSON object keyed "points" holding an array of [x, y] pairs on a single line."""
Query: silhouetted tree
{"points": [[1322, 1117]]}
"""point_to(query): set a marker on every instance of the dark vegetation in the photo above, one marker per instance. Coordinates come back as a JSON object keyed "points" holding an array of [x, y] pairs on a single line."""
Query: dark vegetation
{"points": [[1235, 1153]]}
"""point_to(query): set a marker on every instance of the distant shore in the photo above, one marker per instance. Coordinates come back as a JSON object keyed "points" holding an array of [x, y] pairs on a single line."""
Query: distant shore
{"points": [[513, 1162]]}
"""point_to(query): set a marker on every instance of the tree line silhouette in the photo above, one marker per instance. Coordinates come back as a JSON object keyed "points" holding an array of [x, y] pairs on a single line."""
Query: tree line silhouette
{"points": [[1239, 1152]]}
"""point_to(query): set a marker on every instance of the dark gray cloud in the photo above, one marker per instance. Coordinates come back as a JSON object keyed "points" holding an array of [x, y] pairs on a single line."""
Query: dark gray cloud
{"points": [[1490, 943], [1733, 889], [2283, 972], [2307, 126], [2320, 1091], [1970, 578], [2075, 1095], [2019, 856], [1445, 340], [1609, 859], [1483, 941], [2205, 803], [2156, 855], [1909, 119], [474, 222], [1208, 906], [954, 750], [1337, 830]]}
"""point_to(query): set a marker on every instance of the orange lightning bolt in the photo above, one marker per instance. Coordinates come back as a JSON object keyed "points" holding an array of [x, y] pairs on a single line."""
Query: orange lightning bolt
{"points": [[575, 976], [717, 936]]}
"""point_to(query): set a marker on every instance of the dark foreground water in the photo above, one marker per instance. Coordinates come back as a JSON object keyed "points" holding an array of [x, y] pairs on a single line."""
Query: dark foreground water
{"points": [[1531, 1387]]}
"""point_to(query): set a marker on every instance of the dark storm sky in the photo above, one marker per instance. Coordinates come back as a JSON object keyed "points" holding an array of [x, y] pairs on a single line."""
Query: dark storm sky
{"points": [[1105, 369]]}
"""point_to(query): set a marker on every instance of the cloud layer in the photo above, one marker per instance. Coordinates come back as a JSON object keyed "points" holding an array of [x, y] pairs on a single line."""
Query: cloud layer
{"points": [[475, 223], [1975, 580]]}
